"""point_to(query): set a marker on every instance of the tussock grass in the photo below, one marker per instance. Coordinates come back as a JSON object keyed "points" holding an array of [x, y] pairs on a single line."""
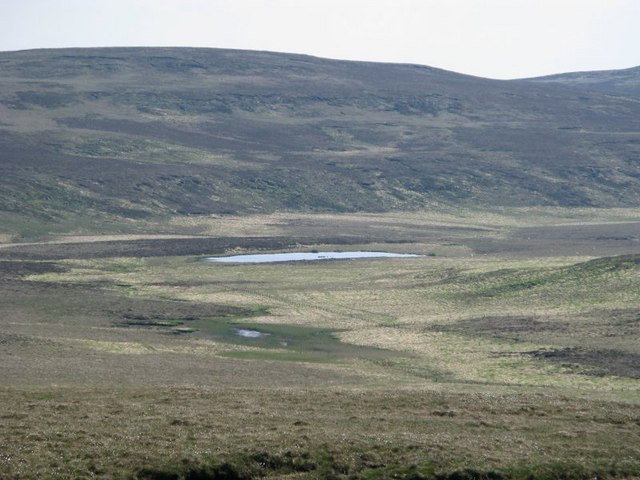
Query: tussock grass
{"points": [[125, 433]]}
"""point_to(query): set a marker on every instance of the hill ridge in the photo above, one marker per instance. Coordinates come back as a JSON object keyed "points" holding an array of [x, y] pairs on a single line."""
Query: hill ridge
{"points": [[157, 132]]}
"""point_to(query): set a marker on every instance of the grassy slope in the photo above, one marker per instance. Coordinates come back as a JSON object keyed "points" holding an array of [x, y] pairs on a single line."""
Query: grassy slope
{"points": [[616, 82], [96, 140]]}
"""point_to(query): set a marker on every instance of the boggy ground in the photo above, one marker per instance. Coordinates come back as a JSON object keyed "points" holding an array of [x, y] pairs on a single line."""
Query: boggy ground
{"points": [[465, 363]]}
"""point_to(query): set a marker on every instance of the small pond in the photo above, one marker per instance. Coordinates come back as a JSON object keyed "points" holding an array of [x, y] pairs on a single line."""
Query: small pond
{"points": [[304, 256]]}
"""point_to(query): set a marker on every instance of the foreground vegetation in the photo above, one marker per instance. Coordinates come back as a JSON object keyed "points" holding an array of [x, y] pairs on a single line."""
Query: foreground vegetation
{"points": [[208, 432], [509, 350]]}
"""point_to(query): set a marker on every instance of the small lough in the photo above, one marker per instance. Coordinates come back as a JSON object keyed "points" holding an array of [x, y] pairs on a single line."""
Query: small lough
{"points": [[306, 257]]}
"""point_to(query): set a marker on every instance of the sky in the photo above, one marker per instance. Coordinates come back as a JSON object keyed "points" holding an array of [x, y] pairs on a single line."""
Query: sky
{"points": [[488, 38]]}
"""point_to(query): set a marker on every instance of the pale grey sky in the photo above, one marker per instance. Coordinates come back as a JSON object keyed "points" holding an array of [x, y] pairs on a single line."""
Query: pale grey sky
{"points": [[491, 38]]}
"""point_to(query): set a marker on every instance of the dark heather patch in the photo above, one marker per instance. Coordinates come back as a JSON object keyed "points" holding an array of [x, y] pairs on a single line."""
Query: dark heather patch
{"points": [[598, 362], [499, 325]]}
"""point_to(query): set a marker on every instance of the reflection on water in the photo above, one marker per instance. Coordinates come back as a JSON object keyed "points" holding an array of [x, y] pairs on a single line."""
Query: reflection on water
{"points": [[302, 256], [246, 333]]}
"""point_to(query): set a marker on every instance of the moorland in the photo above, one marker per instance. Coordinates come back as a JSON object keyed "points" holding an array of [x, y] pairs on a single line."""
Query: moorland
{"points": [[508, 349]]}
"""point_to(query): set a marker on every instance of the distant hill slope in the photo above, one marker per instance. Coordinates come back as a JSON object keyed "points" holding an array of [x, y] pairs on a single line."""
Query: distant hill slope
{"points": [[619, 82], [128, 133]]}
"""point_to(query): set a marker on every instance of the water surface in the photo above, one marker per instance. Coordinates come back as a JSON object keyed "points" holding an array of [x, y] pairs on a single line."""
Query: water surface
{"points": [[246, 333], [304, 256]]}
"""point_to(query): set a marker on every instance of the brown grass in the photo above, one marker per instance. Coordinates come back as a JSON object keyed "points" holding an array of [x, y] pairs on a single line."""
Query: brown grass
{"points": [[82, 433]]}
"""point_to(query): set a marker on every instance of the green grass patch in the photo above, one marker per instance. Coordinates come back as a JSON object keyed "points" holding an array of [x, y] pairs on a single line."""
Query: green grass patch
{"points": [[283, 342]]}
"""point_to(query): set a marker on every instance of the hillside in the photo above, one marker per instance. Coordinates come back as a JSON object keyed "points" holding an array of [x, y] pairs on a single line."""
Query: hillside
{"points": [[615, 82], [93, 136]]}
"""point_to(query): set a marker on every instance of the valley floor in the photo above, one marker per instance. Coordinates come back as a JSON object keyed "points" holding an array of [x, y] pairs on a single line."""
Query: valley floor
{"points": [[510, 348]]}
